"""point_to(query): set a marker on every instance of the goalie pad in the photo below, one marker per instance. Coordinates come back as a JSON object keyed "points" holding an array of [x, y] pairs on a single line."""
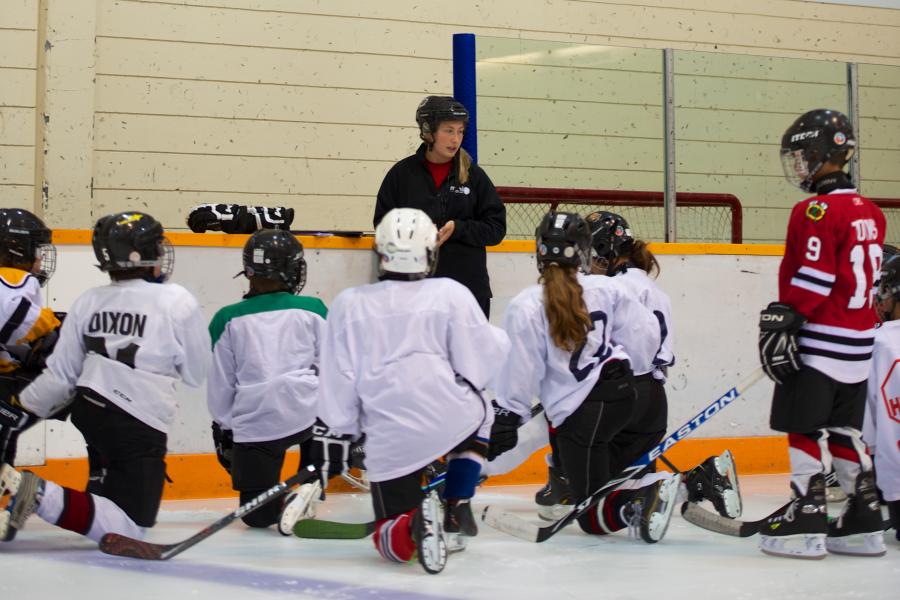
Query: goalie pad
{"points": [[237, 218], [778, 352]]}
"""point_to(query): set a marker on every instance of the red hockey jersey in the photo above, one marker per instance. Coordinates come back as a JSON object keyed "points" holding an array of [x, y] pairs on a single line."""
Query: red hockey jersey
{"points": [[831, 266]]}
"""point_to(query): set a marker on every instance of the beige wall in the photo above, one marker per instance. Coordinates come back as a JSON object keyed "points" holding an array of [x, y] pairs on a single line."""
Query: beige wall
{"points": [[18, 67], [162, 105]]}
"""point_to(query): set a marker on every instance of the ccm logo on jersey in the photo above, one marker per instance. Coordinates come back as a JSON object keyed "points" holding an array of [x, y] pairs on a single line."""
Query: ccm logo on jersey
{"points": [[804, 135]]}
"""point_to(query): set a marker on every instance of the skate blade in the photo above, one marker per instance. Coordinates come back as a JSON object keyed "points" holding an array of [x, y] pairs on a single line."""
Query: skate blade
{"points": [[659, 521], [727, 469], [862, 544], [432, 549], [812, 547], [455, 542]]}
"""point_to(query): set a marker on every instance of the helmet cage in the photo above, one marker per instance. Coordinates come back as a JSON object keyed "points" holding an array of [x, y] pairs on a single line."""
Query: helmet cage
{"points": [[24, 240]]}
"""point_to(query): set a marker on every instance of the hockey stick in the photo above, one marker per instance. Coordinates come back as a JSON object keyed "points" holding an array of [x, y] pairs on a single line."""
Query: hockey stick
{"points": [[516, 526], [121, 545], [711, 521], [318, 529]]}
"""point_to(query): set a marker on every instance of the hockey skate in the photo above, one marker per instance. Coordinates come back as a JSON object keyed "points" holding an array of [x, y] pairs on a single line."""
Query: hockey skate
{"points": [[26, 491], [859, 531], [833, 491], [797, 530], [649, 512], [459, 524], [554, 500], [716, 480], [300, 504], [427, 530]]}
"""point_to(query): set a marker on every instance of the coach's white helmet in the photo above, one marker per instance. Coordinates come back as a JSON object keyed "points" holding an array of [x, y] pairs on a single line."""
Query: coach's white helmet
{"points": [[406, 243]]}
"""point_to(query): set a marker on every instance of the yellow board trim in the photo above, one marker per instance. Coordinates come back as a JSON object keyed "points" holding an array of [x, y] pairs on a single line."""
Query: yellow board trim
{"points": [[81, 237], [201, 476]]}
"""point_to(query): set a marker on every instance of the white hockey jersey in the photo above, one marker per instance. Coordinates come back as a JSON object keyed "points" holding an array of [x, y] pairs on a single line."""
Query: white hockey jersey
{"points": [[399, 362], [560, 379], [881, 427], [264, 376], [129, 342], [22, 319], [648, 293]]}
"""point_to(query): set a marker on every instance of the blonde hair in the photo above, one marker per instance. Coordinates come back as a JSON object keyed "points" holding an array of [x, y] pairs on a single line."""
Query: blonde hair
{"points": [[566, 312], [465, 163]]}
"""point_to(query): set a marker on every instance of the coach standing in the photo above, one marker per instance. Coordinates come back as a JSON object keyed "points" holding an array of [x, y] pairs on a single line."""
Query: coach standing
{"points": [[441, 179]]}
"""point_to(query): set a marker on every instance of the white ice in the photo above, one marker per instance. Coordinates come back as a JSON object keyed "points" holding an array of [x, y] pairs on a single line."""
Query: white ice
{"points": [[690, 563]]}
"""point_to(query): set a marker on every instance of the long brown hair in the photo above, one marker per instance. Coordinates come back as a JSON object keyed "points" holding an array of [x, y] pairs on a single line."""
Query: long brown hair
{"points": [[642, 258], [566, 312]]}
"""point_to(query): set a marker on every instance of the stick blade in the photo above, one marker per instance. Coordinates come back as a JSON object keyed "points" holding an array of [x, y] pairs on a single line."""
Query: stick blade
{"points": [[713, 522], [121, 545], [511, 524], [332, 530]]}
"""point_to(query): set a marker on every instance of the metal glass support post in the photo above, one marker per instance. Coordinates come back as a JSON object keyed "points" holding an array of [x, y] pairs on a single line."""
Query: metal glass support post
{"points": [[853, 100], [669, 141]]}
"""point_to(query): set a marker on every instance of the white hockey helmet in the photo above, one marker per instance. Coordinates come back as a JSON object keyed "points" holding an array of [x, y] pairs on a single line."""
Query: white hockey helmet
{"points": [[406, 243]]}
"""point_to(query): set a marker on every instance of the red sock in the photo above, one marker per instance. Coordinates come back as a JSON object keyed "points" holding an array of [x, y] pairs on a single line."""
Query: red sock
{"points": [[393, 538], [78, 511]]}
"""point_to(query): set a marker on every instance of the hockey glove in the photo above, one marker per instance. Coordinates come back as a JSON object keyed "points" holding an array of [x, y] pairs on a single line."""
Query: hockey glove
{"points": [[358, 454], [504, 431], [14, 419], [778, 351], [237, 218], [330, 451], [224, 442]]}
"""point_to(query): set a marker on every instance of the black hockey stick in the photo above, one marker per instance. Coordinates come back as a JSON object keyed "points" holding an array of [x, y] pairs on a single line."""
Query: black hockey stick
{"points": [[121, 545], [515, 525], [715, 522]]}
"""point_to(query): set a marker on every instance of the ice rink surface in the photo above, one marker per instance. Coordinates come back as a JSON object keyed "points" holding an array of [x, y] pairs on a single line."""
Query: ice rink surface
{"points": [[238, 563]]}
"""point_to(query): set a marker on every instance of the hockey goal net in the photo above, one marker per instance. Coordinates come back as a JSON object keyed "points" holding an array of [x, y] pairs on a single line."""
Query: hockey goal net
{"points": [[699, 217]]}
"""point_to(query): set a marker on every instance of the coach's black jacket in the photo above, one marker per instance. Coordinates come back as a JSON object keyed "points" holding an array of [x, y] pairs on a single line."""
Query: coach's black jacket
{"points": [[476, 209]]}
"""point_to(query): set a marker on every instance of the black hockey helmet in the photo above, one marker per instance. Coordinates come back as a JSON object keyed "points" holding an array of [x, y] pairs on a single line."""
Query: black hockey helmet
{"points": [[434, 110], [610, 235], [811, 141], [278, 255], [889, 286], [23, 239], [132, 240], [563, 238]]}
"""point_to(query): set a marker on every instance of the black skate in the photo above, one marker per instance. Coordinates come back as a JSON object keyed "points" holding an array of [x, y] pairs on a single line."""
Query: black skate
{"points": [[428, 532], [894, 513], [554, 500], [649, 512], [804, 519], [715, 479], [459, 524], [27, 490], [859, 531]]}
